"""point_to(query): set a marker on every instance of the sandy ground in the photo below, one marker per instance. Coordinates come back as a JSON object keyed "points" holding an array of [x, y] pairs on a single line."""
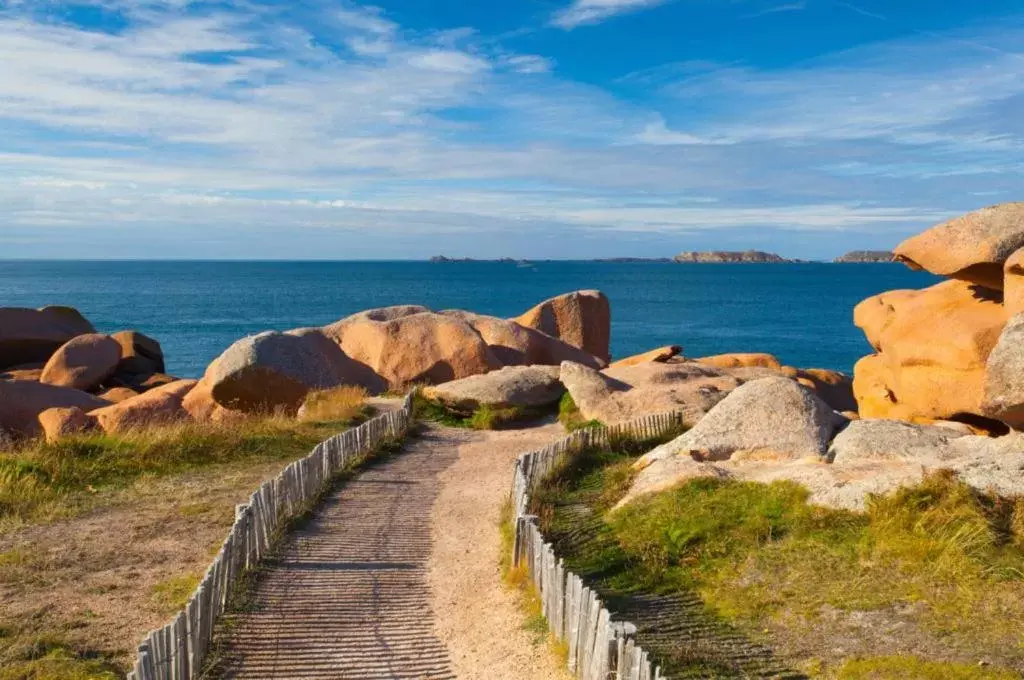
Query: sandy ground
{"points": [[90, 579], [479, 618]]}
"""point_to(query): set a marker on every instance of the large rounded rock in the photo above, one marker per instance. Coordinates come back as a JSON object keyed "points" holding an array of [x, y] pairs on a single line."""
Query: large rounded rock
{"points": [[22, 402], [202, 408], [139, 353], [864, 440], [934, 345], [275, 370], [742, 360], [581, 319], [659, 355], [159, 406], [516, 345], [833, 387], [772, 418], [404, 346], [32, 335], [524, 386], [30, 372], [972, 247], [83, 362], [58, 423], [1004, 377], [1013, 283]]}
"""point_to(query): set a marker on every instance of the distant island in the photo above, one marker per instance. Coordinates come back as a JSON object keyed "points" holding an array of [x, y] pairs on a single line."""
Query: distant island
{"points": [[866, 256], [633, 259], [442, 258], [715, 256]]}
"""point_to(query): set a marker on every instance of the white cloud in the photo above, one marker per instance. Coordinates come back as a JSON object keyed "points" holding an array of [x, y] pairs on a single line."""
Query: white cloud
{"points": [[583, 12], [448, 61], [529, 63]]}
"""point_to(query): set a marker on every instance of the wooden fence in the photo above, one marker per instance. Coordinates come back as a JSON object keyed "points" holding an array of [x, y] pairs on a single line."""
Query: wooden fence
{"points": [[599, 648], [178, 650]]}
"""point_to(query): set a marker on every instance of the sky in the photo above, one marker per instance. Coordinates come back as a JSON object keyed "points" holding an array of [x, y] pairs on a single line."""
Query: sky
{"points": [[330, 129]]}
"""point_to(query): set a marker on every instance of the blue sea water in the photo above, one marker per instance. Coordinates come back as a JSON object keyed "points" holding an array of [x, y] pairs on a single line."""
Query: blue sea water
{"points": [[803, 313]]}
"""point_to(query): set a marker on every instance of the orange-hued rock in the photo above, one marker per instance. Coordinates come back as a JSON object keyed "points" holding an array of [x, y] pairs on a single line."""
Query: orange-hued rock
{"points": [[159, 406], [972, 247], [1013, 283], [201, 406], [61, 422], [659, 355], [873, 314], [139, 353], [32, 335], [934, 346], [516, 345], [18, 373], [115, 395], [1004, 377], [582, 319], [22, 402], [83, 362], [742, 360]]}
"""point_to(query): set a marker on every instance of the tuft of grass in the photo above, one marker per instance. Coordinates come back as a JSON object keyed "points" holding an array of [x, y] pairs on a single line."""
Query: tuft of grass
{"points": [[485, 417], [346, 403], [570, 417], [171, 595], [31, 655], [914, 668]]}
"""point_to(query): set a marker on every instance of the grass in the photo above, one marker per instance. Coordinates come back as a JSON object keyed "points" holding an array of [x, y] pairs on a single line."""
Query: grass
{"points": [[345, 403], [485, 417], [570, 417], [946, 557], [913, 668], [172, 594], [45, 481]]}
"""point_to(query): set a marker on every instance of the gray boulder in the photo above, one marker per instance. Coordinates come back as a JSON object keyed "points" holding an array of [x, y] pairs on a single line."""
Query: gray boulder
{"points": [[773, 418], [1004, 376], [525, 386], [864, 440], [276, 370]]}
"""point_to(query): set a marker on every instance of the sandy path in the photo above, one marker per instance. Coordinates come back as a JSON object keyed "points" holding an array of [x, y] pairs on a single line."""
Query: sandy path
{"points": [[479, 619]]}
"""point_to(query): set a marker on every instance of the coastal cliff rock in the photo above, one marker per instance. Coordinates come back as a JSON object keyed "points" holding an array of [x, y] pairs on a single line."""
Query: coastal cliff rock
{"points": [[972, 247], [33, 335], [725, 256], [513, 344], [866, 256], [83, 362], [581, 319], [524, 386], [742, 360]]}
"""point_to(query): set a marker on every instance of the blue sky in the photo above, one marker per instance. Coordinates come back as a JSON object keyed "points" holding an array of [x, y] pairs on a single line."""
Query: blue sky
{"points": [[324, 129]]}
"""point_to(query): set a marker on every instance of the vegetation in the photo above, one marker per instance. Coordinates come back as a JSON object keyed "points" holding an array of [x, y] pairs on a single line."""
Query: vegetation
{"points": [[944, 561], [345, 403], [483, 418], [570, 417]]}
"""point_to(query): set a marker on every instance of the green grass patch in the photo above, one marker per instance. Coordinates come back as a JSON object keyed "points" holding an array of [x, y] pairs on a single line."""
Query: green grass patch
{"points": [[43, 481], [947, 558], [913, 668], [570, 417], [29, 655], [172, 594], [485, 417]]}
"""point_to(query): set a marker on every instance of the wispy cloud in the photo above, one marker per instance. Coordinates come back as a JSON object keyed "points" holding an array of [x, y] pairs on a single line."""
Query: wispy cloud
{"points": [[583, 12], [778, 9]]}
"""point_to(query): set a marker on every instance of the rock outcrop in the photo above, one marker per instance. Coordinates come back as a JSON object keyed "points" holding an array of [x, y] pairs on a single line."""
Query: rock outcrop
{"points": [[726, 256], [83, 362], [32, 335], [581, 319], [1004, 376], [58, 423], [866, 256], [973, 247], [159, 406], [659, 355], [742, 360], [521, 386], [140, 354]]}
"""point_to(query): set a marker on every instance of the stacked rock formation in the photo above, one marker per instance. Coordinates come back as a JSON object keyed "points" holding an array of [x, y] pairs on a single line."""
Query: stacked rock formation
{"points": [[951, 351]]}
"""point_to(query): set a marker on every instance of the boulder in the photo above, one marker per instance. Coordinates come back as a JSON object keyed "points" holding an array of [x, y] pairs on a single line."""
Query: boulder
{"points": [[833, 387], [202, 408], [742, 360], [659, 355], [275, 370], [159, 406], [22, 372], [22, 402], [401, 346], [32, 335], [624, 393], [581, 319], [139, 353], [773, 418], [524, 386], [972, 247], [58, 423], [1013, 283], [934, 345], [874, 314], [515, 345], [888, 440], [1004, 376], [83, 362], [115, 395]]}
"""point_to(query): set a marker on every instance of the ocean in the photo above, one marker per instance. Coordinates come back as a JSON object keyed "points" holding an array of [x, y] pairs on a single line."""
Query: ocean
{"points": [[803, 313]]}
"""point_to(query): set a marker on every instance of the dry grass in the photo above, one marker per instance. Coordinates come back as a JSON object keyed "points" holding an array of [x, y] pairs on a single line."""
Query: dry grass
{"points": [[345, 403], [102, 537]]}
